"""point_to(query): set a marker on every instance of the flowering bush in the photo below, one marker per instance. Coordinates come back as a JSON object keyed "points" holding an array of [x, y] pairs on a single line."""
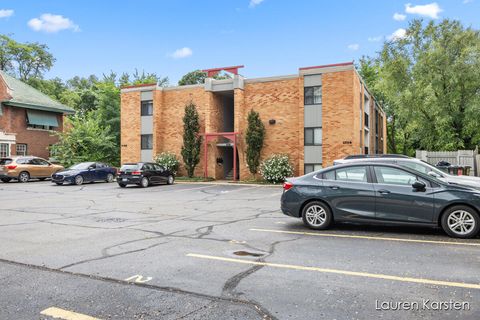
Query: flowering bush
{"points": [[276, 168], [168, 160]]}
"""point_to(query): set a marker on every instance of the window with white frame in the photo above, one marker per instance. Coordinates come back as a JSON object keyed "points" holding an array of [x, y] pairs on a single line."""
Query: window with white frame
{"points": [[4, 150], [21, 149], [313, 95]]}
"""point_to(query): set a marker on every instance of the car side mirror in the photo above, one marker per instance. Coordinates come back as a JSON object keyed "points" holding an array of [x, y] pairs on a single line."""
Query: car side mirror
{"points": [[90, 168], [433, 174], [419, 186]]}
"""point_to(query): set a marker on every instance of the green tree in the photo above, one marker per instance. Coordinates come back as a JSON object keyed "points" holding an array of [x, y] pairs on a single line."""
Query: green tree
{"points": [[85, 139], [191, 138], [198, 77], [24, 60], [428, 83], [254, 137]]}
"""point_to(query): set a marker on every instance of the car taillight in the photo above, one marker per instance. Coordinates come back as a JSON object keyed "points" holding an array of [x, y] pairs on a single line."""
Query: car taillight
{"points": [[287, 185], [11, 167], [136, 173], [119, 172]]}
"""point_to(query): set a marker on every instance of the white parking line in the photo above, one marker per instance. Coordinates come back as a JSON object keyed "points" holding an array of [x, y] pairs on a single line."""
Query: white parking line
{"points": [[342, 272], [336, 235], [198, 188], [58, 313]]}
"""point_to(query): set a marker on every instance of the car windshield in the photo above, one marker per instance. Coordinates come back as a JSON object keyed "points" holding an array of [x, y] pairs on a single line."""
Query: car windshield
{"points": [[82, 166], [422, 167], [5, 161], [129, 167]]}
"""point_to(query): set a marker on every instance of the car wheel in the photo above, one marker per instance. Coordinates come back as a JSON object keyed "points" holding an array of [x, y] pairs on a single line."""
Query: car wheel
{"points": [[144, 182], [23, 177], [121, 185], [316, 215], [78, 180], [59, 183], [6, 180], [170, 179], [110, 177], [461, 222]]}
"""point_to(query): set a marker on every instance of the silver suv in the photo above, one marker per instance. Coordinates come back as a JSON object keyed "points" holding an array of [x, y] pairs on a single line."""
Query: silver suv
{"points": [[415, 164]]}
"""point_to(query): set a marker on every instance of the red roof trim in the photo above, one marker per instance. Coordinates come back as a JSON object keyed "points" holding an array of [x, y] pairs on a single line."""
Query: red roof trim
{"points": [[140, 85], [328, 65]]}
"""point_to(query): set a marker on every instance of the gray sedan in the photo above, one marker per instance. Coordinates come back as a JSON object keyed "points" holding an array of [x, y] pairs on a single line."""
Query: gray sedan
{"points": [[378, 193]]}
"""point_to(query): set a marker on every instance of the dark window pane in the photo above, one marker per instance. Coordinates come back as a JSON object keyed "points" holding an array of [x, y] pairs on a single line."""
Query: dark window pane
{"points": [[330, 175], [357, 174], [308, 136], [147, 108], [147, 141], [308, 95]]}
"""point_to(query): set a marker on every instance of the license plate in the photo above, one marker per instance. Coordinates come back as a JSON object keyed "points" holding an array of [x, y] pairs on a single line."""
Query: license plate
{"points": [[124, 179]]}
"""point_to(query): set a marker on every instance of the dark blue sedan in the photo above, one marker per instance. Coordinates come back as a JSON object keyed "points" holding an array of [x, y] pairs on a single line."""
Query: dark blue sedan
{"points": [[85, 172], [378, 193]]}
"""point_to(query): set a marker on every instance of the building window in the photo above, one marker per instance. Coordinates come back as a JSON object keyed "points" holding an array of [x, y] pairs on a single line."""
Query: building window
{"points": [[313, 95], [313, 136], [4, 150], [147, 141], [366, 150], [147, 108], [21, 149], [41, 127], [366, 120], [311, 167]]}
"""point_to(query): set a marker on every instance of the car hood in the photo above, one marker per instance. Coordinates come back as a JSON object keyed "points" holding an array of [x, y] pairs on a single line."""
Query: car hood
{"points": [[473, 182], [69, 172]]}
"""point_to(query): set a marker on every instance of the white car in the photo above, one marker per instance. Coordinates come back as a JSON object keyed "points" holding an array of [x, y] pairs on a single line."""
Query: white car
{"points": [[418, 165]]}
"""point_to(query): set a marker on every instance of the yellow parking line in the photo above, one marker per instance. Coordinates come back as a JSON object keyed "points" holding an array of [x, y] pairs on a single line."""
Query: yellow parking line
{"points": [[65, 314], [342, 272], [336, 235]]}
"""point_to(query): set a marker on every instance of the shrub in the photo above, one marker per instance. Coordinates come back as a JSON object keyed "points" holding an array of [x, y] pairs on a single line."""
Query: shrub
{"points": [[168, 160], [276, 168]]}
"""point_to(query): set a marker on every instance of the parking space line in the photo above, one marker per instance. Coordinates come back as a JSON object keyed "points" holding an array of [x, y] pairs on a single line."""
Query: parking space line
{"points": [[188, 189], [65, 314], [342, 272], [336, 235]]}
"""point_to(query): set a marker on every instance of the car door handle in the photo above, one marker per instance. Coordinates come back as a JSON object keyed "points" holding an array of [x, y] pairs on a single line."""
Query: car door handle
{"points": [[383, 191], [334, 187]]}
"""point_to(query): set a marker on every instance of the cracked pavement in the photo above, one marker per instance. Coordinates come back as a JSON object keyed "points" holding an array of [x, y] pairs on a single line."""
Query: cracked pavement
{"points": [[74, 247]]}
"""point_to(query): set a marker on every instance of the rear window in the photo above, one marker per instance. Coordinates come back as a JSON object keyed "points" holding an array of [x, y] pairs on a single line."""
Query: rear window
{"points": [[130, 167], [5, 161]]}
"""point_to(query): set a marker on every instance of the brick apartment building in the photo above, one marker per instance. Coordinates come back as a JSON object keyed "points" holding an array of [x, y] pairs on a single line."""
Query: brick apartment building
{"points": [[315, 116], [27, 119]]}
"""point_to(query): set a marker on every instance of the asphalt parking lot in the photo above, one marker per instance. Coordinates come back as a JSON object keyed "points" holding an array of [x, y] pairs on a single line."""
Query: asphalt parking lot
{"points": [[206, 251]]}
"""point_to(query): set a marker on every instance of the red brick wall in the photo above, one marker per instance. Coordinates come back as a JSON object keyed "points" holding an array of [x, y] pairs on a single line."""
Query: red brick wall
{"points": [[14, 121]]}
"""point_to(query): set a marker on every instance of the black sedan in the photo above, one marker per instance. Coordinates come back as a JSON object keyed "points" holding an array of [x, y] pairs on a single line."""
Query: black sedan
{"points": [[144, 174], [85, 172], [385, 194]]}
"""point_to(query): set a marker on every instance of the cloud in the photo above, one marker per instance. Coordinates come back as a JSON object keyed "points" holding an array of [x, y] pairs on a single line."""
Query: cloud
{"points": [[399, 16], [254, 3], [428, 10], [182, 53], [375, 39], [397, 35], [5, 13], [353, 46], [52, 23], [467, 1]]}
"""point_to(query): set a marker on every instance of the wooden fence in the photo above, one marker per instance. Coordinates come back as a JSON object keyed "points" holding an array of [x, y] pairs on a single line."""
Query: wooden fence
{"points": [[458, 158]]}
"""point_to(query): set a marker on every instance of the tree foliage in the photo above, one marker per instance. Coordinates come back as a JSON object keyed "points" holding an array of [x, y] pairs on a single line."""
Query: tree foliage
{"points": [[24, 60], [191, 138], [84, 139], [429, 86], [254, 138], [198, 77]]}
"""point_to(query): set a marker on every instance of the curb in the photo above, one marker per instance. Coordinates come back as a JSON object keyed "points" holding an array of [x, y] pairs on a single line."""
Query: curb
{"points": [[229, 183]]}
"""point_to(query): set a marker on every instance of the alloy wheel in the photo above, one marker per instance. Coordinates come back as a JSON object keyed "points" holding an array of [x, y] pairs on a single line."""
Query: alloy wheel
{"points": [[461, 222], [316, 215], [78, 180], [24, 177], [144, 183], [109, 177], [170, 179]]}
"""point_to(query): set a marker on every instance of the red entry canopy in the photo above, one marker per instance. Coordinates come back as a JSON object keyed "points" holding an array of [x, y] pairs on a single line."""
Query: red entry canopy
{"points": [[232, 136], [212, 72]]}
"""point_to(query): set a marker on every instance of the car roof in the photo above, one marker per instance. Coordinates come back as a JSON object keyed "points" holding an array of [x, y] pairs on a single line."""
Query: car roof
{"points": [[372, 156], [383, 164], [377, 159]]}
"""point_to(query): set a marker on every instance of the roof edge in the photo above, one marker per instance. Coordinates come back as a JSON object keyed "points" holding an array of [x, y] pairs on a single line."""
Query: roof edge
{"points": [[37, 107]]}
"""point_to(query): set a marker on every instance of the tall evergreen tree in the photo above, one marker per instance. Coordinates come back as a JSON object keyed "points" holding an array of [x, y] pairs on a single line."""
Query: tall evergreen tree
{"points": [[191, 138], [254, 138]]}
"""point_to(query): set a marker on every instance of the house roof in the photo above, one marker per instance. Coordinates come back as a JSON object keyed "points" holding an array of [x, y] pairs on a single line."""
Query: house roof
{"points": [[24, 96]]}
